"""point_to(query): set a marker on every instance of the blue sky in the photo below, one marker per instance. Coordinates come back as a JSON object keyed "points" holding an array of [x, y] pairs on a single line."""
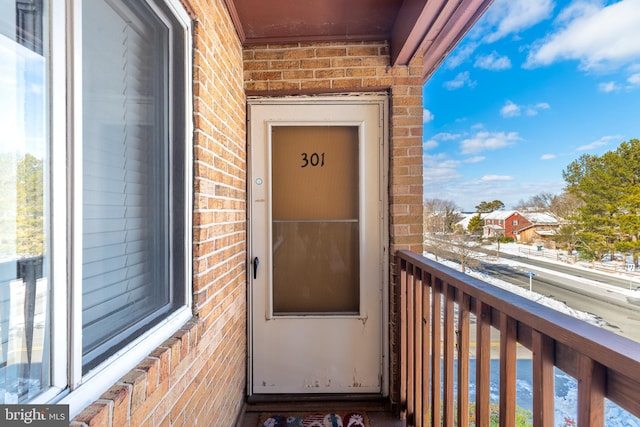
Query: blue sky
{"points": [[533, 86]]}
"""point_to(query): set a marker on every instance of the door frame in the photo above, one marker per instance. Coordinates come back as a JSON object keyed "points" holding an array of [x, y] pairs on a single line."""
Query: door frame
{"points": [[381, 99]]}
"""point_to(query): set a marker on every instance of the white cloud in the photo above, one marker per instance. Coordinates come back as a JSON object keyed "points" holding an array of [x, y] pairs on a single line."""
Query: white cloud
{"points": [[469, 193], [436, 177], [434, 142], [476, 159], [634, 79], [483, 141], [460, 55], [510, 109], [446, 136], [547, 157], [434, 158], [427, 116], [430, 144], [439, 170], [632, 82], [462, 79], [492, 178], [608, 87], [513, 16], [493, 61], [592, 146], [602, 142], [593, 34], [449, 164]]}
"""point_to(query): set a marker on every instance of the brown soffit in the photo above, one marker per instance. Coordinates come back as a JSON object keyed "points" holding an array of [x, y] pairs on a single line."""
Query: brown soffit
{"points": [[410, 26]]}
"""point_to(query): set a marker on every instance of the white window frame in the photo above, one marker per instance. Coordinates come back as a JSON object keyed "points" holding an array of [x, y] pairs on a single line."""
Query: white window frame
{"points": [[69, 385]]}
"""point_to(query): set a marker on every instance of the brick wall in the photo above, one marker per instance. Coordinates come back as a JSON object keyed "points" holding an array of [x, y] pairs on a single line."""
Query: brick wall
{"points": [[198, 377], [321, 68]]}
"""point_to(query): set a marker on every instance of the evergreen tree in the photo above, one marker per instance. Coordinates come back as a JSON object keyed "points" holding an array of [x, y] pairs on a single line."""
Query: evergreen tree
{"points": [[29, 207], [475, 224], [486, 207], [629, 209], [607, 187]]}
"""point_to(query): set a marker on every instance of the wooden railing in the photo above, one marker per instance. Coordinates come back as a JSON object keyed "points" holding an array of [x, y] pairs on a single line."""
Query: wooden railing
{"points": [[437, 342]]}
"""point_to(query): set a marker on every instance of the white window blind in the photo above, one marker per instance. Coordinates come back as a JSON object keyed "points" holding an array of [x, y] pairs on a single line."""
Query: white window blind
{"points": [[126, 233]]}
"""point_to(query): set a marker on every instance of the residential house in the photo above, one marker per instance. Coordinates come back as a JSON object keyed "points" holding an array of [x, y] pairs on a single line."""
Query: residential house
{"points": [[540, 227], [192, 170], [503, 223]]}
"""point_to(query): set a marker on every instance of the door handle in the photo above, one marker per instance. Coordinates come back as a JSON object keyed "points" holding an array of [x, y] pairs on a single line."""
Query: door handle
{"points": [[256, 261]]}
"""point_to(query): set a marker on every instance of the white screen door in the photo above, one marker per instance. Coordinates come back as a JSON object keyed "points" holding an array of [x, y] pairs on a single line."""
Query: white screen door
{"points": [[317, 192]]}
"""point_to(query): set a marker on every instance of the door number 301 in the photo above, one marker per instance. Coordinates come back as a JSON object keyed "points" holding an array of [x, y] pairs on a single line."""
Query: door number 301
{"points": [[313, 160]]}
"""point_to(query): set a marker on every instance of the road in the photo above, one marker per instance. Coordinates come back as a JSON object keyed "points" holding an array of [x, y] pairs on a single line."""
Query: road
{"points": [[618, 316], [585, 274]]}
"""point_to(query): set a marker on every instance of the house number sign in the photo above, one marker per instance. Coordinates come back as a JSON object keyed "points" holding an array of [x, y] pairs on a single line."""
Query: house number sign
{"points": [[312, 159], [314, 173]]}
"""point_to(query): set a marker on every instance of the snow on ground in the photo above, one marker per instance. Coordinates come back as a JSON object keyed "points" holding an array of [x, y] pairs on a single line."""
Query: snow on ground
{"points": [[557, 255], [546, 301], [566, 402]]}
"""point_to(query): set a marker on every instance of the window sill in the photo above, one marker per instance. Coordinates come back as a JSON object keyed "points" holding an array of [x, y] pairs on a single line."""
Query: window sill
{"points": [[139, 367]]}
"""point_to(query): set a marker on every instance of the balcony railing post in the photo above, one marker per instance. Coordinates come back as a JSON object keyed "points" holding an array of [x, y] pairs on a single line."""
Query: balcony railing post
{"points": [[543, 381], [591, 383], [427, 356], [463, 357], [401, 266], [411, 342], [434, 306], [418, 349], [449, 351], [483, 364], [508, 341], [436, 351]]}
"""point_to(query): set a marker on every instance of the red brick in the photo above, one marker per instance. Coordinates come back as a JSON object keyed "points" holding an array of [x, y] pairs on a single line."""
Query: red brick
{"points": [[151, 367], [138, 381], [95, 415]]}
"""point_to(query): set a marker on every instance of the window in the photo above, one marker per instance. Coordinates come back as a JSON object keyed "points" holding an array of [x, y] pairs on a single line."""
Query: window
{"points": [[515, 222], [24, 187], [123, 195]]}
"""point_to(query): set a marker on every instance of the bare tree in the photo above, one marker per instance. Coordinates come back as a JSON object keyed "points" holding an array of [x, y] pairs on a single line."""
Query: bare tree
{"points": [[440, 216], [463, 246], [457, 246], [538, 203], [436, 247], [561, 205], [565, 205]]}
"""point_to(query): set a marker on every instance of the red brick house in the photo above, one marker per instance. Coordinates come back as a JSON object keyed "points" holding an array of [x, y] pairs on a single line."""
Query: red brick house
{"points": [[524, 227], [505, 223], [171, 134]]}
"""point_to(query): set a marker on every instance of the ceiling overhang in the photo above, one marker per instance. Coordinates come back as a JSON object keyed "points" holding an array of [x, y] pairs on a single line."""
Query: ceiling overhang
{"points": [[410, 26]]}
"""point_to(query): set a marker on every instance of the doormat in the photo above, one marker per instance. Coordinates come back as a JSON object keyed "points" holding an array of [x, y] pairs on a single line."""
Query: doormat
{"points": [[315, 419]]}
